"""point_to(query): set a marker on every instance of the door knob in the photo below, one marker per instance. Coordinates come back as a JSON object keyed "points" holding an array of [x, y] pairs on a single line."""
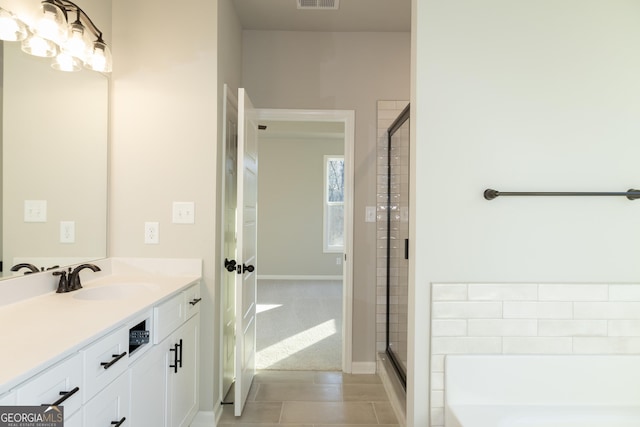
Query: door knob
{"points": [[248, 268], [230, 265]]}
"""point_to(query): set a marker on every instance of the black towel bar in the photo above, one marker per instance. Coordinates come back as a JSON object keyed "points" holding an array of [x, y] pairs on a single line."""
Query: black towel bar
{"points": [[491, 194]]}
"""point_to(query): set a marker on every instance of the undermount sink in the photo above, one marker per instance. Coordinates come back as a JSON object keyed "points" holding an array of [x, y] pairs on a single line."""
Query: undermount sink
{"points": [[116, 291]]}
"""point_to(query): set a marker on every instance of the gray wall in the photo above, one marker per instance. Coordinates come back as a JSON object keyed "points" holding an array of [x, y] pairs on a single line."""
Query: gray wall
{"points": [[346, 71], [290, 200]]}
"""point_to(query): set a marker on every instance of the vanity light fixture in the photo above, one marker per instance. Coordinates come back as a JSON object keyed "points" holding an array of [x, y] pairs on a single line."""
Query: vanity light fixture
{"points": [[11, 28], [52, 35]]}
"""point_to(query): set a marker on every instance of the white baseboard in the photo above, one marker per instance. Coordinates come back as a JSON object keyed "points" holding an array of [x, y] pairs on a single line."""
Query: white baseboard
{"points": [[204, 419], [302, 277], [363, 367]]}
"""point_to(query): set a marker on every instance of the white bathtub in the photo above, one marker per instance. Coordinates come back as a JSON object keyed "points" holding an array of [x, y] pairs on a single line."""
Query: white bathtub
{"points": [[542, 391]]}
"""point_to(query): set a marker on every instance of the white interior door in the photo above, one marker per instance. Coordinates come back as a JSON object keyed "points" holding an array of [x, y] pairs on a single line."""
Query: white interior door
{"points": [[230, 180], [246, 235]]}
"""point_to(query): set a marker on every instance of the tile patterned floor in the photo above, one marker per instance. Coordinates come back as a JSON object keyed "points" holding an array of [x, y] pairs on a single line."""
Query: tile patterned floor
{"points": [[313, 399]]}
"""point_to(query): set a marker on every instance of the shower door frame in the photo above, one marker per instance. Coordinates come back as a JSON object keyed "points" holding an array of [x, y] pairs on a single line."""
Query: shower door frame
{"points": [[398, 122]]}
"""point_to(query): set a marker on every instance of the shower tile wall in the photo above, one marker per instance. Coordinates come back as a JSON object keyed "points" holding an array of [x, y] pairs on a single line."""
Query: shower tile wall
{"points": [[388, 111], [529, 319]]}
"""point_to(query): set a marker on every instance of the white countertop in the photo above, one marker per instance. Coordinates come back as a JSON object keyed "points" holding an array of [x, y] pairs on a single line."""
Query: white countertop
{"points": [[39, 331]]}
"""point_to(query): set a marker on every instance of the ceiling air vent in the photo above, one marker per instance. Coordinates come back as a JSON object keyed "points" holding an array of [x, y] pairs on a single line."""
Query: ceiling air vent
{"points": [[318, 4]]}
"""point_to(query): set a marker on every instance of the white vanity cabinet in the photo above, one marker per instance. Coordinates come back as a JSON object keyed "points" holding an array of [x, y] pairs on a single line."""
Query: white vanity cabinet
{"points": [[74, 421], [8, 399], [137, 367], [164, 382], [60, 384]]}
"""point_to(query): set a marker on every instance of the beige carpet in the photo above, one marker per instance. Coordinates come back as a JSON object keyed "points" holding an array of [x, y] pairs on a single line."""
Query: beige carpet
{"points": [[299, 325]]}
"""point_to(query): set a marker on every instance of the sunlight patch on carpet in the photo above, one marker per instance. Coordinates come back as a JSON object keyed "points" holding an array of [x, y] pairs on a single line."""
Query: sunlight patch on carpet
{"points": [[261, 308], [307, 343]]}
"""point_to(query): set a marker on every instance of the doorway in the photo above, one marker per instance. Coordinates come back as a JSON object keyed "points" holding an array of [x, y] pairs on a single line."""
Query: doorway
{"points": [[300, 245], [346, 118]]}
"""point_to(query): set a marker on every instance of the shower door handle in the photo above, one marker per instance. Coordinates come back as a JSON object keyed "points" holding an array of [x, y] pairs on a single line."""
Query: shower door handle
{"points": [[406, 248]]}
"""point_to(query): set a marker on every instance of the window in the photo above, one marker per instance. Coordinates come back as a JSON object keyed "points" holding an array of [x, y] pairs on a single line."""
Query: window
{"points": [[333, 204]]}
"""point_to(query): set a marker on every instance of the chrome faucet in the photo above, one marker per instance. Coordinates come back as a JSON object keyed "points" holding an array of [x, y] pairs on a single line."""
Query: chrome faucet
{"points": [[31, 267], [70, 281]]}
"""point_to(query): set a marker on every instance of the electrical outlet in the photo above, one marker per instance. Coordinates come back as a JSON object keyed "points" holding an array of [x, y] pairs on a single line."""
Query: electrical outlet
{"points": [[184, 213], [67, 231], [339, 260], [151, 233]]}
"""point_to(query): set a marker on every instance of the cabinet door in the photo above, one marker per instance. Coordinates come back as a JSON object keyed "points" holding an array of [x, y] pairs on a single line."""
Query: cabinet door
{"points": [[148, 384], [183, 384], [110, 407]]}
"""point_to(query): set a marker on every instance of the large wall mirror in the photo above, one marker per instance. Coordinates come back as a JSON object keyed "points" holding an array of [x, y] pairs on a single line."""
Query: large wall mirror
{"points": [[54, 163]]}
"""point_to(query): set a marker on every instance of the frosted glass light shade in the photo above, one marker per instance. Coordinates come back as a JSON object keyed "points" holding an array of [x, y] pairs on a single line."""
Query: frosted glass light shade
{"points": [[51, 23], [100, 58], [37, 46], [11, 28], [66, 62]]}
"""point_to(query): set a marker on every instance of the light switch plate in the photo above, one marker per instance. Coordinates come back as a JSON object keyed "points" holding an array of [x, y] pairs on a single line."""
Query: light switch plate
{"points": [[67, 231], [370, 214], [184, 213], [35, 211]]}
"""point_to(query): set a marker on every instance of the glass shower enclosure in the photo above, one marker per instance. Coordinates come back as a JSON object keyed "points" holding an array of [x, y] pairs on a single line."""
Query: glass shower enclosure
{"points": [[398, 243]]}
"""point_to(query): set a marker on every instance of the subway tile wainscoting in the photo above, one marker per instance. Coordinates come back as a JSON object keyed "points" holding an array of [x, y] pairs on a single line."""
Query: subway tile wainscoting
{"points": [[529, 319]]}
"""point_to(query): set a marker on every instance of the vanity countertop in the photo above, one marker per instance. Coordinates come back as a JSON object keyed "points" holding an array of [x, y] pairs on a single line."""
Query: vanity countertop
{"points": [[40, 331]]}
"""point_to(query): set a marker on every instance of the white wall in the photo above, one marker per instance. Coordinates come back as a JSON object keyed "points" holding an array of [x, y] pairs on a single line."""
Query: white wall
{"points": [[347, 71], [521, 96], [164, 142]]}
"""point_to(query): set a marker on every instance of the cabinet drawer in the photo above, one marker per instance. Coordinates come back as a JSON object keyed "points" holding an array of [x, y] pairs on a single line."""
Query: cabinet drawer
{"points": [[168, 316], [110, 407], [193, 300], [54, 384], [105, 360]]}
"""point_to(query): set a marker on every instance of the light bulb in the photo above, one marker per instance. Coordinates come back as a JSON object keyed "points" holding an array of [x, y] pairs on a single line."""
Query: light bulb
{"points": [[37, 46], [76, 45], [100, 58], [52, 23], [66, 62], [11, 28]]}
